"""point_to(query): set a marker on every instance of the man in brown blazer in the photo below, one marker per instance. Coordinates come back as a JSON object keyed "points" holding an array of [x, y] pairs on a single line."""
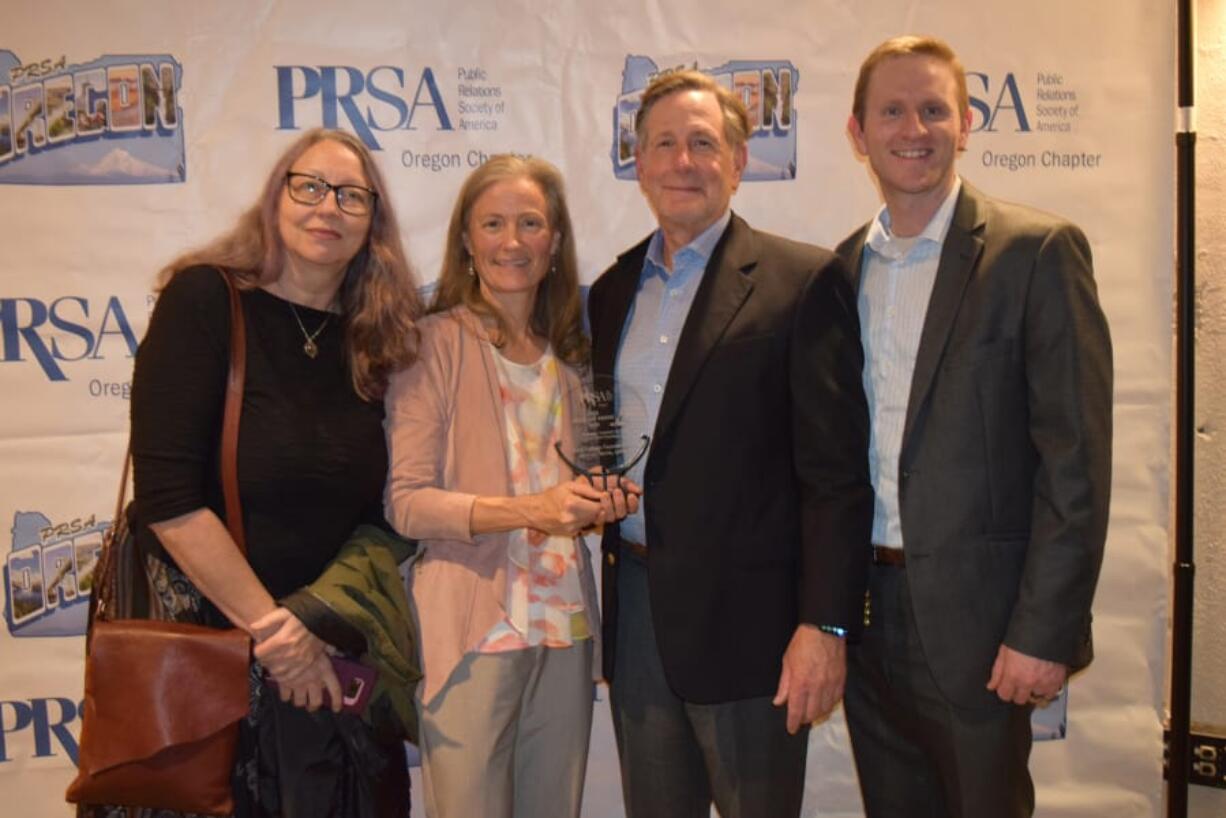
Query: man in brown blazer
{"points": [[728, 599], [988, 374]]}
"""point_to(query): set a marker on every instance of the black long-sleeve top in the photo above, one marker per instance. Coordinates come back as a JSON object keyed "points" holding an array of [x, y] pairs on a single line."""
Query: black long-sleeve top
{"points": [[312, 457]]}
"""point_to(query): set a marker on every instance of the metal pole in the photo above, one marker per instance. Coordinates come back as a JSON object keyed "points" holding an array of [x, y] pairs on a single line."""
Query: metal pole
{"points": [[1179, 761]]}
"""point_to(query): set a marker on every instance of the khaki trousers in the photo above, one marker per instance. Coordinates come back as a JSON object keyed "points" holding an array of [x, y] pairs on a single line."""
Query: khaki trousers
{"points": [[507, 736]]}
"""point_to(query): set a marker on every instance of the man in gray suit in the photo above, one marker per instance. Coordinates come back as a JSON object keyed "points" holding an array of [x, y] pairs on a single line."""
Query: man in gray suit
{"points": [[988, 376]]}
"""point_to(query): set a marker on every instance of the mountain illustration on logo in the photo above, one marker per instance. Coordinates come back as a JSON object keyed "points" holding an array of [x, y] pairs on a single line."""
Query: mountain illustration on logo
{"points": [[119, 163], [112, 120]]}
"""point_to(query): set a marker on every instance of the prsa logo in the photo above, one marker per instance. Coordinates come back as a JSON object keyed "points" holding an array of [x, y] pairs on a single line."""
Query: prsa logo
{"points": [[113, 121], [381, 99], [49, 720], [49, 573], [996, 103], [768, 89], [66, 329], [1052, 104]]}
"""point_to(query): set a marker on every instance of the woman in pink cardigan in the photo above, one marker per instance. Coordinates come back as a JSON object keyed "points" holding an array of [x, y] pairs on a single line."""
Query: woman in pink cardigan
{"points": [[503, 589]]}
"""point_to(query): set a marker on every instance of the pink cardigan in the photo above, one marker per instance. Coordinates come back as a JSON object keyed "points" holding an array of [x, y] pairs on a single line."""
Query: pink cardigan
{"points": [[446, 440]]}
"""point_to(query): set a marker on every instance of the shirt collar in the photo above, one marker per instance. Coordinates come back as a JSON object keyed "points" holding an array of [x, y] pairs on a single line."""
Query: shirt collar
{"points": [[886, 244], [699, 250]]}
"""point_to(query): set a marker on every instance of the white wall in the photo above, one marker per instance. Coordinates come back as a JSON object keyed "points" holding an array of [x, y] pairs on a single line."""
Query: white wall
{"points": [[1209, 646]]}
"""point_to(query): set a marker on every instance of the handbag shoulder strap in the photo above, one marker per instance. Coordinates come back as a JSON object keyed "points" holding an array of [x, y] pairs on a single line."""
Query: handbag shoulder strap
{"points": [[235, 379], [103, 597], [230, 418], [106, 572]]}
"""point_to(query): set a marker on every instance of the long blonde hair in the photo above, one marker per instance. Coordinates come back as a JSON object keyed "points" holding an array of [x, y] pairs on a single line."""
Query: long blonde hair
{"points": [[378, 295], [557, 314]]}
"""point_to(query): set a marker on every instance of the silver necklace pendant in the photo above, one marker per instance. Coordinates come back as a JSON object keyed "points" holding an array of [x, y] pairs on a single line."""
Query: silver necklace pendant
{"points": [[310, 348]]}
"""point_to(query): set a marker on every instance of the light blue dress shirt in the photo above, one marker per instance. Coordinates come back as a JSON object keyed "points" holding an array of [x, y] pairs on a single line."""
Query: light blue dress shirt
{"points": [[649, 341], [896, 280]]}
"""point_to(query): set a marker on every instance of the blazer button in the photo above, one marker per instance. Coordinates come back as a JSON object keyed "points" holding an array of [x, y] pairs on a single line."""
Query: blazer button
{"points": [[611, 559]]}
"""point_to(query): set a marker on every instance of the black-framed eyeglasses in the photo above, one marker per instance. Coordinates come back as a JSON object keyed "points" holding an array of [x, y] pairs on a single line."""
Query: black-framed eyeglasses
{"points": [[308, 189]]}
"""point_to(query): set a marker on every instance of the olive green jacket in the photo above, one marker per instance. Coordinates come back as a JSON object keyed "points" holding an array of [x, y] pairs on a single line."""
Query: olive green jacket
{"points": [[358, 604]]}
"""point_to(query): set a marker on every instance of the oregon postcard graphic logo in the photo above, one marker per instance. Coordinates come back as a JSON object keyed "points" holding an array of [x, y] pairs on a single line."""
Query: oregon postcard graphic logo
{"points": [[49, 574], [768, 89], [113, 121]]}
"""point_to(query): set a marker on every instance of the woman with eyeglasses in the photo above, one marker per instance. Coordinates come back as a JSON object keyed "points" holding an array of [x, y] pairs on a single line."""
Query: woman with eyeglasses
{"points": [[330, 306], [503, 589]]}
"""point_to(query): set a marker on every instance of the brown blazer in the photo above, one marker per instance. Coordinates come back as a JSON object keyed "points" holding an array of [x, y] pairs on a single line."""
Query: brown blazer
{"points": [[446, 441]]}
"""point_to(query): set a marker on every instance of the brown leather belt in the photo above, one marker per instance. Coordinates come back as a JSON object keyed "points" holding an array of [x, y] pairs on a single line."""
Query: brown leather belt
{"points": [[636, 549], [884, 555]]}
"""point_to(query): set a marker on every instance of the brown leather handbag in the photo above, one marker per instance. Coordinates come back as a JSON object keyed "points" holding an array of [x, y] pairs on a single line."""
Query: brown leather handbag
{"points": [[163, 699]]}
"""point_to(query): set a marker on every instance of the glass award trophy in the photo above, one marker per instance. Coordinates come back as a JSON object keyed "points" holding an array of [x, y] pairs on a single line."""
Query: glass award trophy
{"points": [[611, 431]]}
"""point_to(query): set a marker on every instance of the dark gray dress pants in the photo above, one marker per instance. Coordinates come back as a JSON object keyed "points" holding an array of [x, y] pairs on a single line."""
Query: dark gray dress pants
{"points": [[918, 755], [677, 757]]}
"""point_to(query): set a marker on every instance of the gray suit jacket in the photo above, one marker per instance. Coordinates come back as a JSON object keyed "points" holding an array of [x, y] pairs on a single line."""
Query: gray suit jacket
{"points": [[1005, 468]]}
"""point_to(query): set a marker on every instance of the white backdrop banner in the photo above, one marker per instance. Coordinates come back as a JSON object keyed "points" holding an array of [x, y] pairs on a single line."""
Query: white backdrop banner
{"points": [[132, 130]]}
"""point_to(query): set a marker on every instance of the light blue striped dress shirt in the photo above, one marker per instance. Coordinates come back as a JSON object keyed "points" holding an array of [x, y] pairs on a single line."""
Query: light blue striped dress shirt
{"points": [[896, 282], [649, 341]]}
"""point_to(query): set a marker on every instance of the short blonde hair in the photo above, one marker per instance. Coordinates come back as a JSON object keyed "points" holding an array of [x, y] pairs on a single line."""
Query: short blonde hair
{"points": [[903, 46]]}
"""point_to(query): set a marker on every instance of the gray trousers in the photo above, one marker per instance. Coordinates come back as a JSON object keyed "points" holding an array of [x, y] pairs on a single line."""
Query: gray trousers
{"points": [[507, 736], [917, 755], [678, 757]]}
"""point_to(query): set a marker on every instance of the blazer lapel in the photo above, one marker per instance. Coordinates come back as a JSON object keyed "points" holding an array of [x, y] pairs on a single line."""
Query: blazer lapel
{"points": [[723, 290], [618, 296], [963, 244], [855, 260]]}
